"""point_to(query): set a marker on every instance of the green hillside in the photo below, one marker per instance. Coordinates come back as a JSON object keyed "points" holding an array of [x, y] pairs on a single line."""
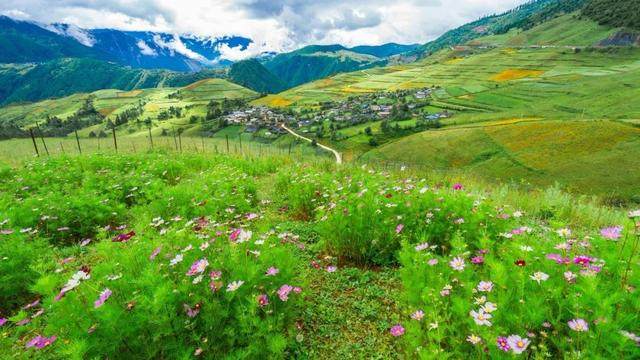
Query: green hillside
{"points": [[523, 17], [165, 108], [384, 50], [253, 75], [585, 156], [316, 62], [63, 77], [565, 30]]}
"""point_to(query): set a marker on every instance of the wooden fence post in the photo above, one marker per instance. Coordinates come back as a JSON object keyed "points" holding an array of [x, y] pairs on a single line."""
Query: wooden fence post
{"points": [[115, 141], [175, 140], [150, 138], [35, 146], [227, 138], [78, 141], [42, 139]]}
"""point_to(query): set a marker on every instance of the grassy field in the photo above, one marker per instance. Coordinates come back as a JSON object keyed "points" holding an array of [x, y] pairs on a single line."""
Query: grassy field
{"points": [[15, 151], [586, 156], [167, 255]]}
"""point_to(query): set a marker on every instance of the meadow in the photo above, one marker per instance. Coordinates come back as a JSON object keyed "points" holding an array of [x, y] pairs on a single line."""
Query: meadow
{"points": [[166, 255], [535, 113]]}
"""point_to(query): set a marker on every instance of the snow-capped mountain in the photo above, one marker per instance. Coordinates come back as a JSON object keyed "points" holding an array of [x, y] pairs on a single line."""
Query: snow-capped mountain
{"points": [[140, 49]]}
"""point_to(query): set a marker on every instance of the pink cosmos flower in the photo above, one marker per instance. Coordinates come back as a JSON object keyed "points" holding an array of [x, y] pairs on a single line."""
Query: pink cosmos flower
{"points": [[104, 295], [478, 260], [485, 286], [191, 312], [331, 268], [198, 267], [421, 247], [558, 259], [480, 317], [215, 275], [457, 186], [399, 228], [502, 344], [570, 276], [283, 292], [517, 343], [252, 216], [263, 300], [3, 321], [417, 315], [579, 325], [432, 262], [611, 233], [582, 260], [272, 271], [457, 263], [40, 342], [32, 304], [397, 330], [124, 237], [155, 253]]}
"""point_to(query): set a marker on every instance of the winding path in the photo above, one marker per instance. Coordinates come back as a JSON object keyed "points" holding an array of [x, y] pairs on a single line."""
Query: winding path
{"points": [[335, 152]]}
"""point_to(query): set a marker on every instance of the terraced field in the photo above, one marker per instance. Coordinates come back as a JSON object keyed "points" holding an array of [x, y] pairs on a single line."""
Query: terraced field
{"points": [[111, 102], [586, 156], [495, 80]]}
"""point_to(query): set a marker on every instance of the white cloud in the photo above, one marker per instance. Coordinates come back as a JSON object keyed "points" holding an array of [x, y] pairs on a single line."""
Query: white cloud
{"points": [[275, 25], [176, 45], [145, 49]]}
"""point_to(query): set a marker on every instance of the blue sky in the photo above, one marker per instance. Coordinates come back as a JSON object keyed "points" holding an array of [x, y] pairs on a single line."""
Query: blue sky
{"points": [[276, 25]]}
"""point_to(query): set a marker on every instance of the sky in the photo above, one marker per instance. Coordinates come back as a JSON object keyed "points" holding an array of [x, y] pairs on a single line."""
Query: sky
{"points": [[273, 25]]}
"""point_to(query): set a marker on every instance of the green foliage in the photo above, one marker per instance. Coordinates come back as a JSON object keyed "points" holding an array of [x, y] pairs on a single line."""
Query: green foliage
{"points": [[616, 13], [516, 303], [367, 219], [151, 219]]}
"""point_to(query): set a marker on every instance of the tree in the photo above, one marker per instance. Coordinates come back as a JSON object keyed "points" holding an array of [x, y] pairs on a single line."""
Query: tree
{"points": [[368, 131]]}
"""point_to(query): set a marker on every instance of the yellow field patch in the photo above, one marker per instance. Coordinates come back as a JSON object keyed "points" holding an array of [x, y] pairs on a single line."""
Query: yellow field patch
{"points": [[324, 83], [107, 111], [279, 101], [132, 93], [515, 74], [453, 61], [152, 107], [543, 145], [354, 90]]}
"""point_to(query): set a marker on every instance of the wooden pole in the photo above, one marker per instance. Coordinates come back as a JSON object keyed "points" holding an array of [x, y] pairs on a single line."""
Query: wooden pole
{"points": [[175, 140], [42, 138], [240, 138], [35, 146], [115, 141], [150, 138], [62, 147], [202, 138], [227, 138], [78, 141], [180, 140]]}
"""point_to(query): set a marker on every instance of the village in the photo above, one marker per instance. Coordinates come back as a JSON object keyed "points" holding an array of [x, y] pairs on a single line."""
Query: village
{"points": [[393, 106]]}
